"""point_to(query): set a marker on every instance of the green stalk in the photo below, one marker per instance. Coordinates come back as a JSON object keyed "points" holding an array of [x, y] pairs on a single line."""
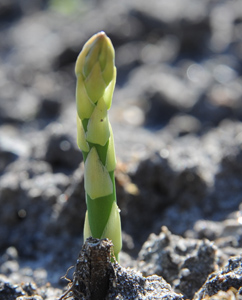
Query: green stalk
{"points": [[96, 77]]}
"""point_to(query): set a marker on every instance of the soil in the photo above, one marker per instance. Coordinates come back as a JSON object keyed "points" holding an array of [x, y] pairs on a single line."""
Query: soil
{"points": [[176, 117]]}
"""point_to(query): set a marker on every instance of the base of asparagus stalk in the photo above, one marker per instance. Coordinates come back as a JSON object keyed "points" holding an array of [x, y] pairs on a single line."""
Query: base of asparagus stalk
{"points": [[94, 271], [97, 277]]}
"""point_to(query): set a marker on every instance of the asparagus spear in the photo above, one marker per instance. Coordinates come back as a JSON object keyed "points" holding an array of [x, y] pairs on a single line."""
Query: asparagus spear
{"points": [[96, 78]]}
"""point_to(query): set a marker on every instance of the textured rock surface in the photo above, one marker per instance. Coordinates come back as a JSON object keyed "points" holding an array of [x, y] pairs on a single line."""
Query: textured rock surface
{"points": [[229, 278], [184, 263]]}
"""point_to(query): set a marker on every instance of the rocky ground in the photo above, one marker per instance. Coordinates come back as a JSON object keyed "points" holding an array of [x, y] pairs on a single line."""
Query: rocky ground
{"points": [[176, 117]]}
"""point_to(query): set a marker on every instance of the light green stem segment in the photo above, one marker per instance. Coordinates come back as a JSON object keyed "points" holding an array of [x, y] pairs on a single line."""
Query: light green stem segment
{"points": [[96, 78]]}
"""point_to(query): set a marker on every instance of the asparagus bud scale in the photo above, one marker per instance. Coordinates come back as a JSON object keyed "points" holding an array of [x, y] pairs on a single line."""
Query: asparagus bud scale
{"points": [[96, 78]]}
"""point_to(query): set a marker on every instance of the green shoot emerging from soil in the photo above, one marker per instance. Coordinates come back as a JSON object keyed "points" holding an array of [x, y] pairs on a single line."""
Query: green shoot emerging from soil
{"points": [[96, 78]]}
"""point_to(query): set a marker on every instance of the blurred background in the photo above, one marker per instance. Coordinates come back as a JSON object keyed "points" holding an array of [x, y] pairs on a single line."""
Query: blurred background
{"points": [[176, 117], [177, 62]]}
